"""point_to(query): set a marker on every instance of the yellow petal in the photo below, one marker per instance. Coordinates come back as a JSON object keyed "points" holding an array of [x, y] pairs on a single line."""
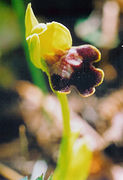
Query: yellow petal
{"points": [[39, 28], [34, 49], [30, 20], [54, 41]]}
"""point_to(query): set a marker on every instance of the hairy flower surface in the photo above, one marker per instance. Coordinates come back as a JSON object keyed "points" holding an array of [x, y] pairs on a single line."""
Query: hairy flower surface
{"points": [[50, 47]]}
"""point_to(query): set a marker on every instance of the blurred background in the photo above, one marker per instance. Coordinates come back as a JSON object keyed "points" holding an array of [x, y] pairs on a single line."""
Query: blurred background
{"points": [[30, 129]]}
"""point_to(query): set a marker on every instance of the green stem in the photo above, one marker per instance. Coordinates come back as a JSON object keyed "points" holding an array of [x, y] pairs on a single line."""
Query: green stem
{"points": [[65, 114], [36, 74]]}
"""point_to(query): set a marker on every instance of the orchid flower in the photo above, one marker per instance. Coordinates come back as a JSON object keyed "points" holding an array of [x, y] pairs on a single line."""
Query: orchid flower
{"points": [[50, 47]]}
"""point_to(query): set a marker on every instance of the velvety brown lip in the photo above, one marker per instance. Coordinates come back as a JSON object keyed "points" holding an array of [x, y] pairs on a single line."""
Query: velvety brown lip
{"points": [[84, 76], [88, 53], [59, 83]]}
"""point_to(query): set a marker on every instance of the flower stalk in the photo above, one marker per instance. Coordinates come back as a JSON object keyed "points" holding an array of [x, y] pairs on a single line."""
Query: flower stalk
{"points": [[65, 113]]}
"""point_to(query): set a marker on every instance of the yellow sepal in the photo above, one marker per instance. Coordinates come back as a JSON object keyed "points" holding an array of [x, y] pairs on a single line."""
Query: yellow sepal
{"points": [[30, 20]]}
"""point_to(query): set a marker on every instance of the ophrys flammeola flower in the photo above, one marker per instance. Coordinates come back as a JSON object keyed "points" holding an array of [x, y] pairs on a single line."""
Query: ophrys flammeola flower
{"points": [[50, 47]]}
